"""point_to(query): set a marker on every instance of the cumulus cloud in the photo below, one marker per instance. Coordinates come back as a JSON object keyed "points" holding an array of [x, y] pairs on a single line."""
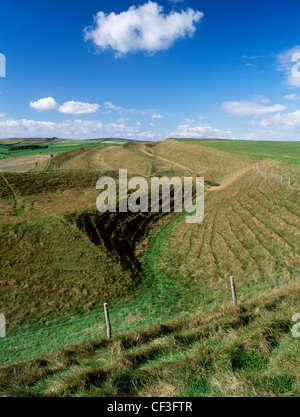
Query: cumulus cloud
{"points": [[250, 108], [43, 104], [202, 131], [77, 107], [141, 28], [289, 63], [157, 116], [285, 121], [69, 107], [77, 129]]}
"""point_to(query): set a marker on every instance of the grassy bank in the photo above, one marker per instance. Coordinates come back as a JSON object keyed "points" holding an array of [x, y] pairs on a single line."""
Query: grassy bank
{"points": [[219, 351]]}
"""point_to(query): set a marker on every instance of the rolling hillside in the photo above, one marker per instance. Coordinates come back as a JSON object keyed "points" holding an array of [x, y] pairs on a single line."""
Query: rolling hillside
{"points": [[59, 257]]}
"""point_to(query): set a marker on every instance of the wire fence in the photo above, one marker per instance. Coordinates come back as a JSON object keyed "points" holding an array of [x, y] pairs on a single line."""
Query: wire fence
{"points": [[22, 345], [288, 180]]}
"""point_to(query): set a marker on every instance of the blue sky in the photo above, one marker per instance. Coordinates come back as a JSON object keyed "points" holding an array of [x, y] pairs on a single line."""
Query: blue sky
{"points": [[150, 70]]}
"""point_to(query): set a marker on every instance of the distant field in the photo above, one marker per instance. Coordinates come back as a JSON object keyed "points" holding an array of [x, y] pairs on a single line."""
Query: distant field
{"points": [[22, 163], [282, 153], [7, 148], [261, 149]]}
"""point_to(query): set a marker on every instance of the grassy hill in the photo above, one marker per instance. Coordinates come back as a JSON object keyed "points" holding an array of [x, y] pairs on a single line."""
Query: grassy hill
{"points": [[277, 156], [59, 257], [22, 155], [219, 351]]}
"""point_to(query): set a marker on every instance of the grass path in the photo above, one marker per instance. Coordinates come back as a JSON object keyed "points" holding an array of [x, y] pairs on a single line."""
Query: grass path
{"points": [[185, 168], [17, 206]]}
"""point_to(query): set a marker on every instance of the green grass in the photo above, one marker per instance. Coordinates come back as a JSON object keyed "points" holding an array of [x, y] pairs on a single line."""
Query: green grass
{"points": [[66, 273], [285, 155], [219, 351], [23, 344], [261, 149], [62, 146], [55, 264]]}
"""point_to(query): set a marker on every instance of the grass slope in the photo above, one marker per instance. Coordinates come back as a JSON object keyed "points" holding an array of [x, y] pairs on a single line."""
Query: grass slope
{"points": [[218, 352], [281, 155], [251, 227]]}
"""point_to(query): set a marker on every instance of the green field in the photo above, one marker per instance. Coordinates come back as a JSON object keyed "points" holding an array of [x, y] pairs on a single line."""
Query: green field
{"points": [[61, 260], [260, 149], [7, 151]]}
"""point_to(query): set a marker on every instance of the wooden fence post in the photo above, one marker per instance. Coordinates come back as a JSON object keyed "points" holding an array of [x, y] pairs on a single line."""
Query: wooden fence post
{"points": [[233, 291], [108, 325], [2, 326]]}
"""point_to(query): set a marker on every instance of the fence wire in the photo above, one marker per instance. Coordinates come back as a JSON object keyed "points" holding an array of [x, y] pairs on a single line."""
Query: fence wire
{"points": [[288, 180], [29, 344]]}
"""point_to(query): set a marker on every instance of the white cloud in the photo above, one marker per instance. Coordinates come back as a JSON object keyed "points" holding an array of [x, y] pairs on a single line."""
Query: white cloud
{"points": [[43, 104], [289, 63], [121, 110], [202, 131], [110, 106], [77, 107], [250, 108], [189, 121], [77, 129], [141, 28], [285, 121], [2, 114], [69, 107], [292, 97], [157, 116]]}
